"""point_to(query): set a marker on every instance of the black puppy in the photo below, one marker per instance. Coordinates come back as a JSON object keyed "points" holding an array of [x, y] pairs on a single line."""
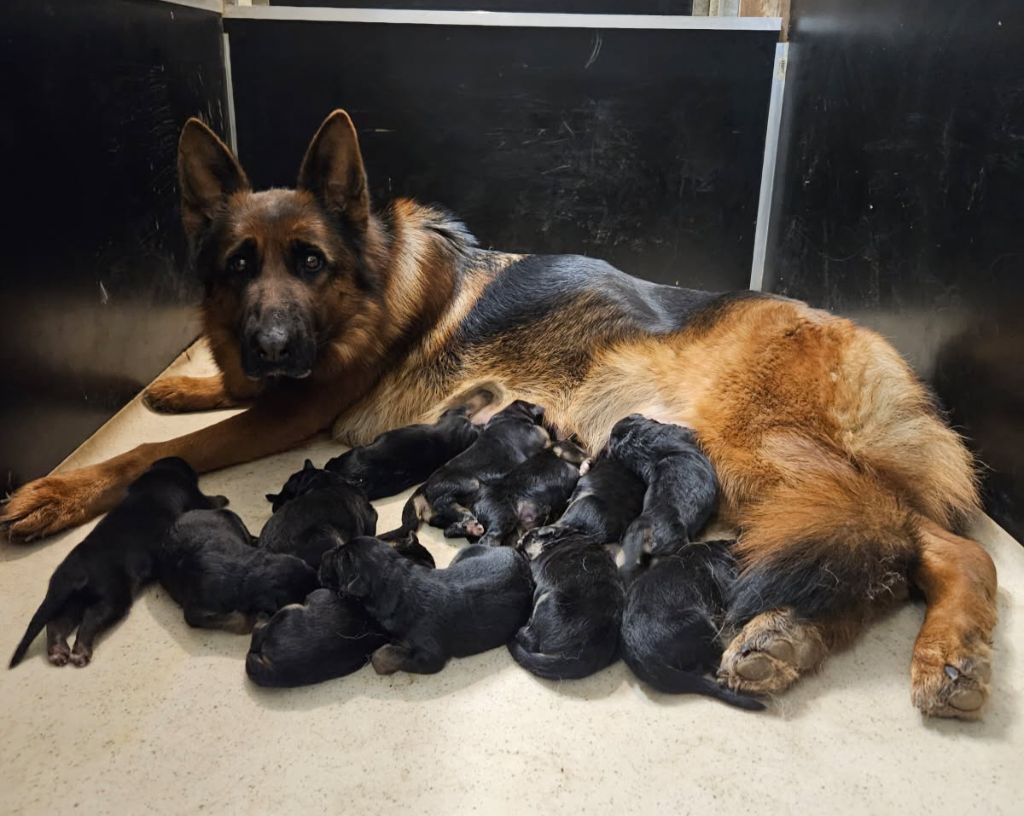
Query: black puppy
{"points": [[311, 501], [476, 604], [577, 609], [208, 564], [509, 438], [682, 488], [397, 460], [327, 636], [608, 497], [527, 496], [674, 611], [95, 585]]}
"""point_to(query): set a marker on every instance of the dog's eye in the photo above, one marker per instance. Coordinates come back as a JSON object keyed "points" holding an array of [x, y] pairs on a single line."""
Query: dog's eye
{"points": [[237, 264], [312, 262]]}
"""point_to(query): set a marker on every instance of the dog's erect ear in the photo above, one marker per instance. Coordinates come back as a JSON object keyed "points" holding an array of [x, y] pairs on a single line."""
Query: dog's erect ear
{"points": [[207, 173], [308, 465], [332, 170]]}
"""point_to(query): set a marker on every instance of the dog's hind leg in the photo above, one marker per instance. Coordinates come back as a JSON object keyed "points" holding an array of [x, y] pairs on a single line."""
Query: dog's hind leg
{"points": [[951, 668], [96, 620]]}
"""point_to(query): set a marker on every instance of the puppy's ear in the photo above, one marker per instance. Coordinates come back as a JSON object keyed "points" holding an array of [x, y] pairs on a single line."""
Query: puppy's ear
{"points": [[308, 465], [218, 502], [272, 497], [332, 170], [207, 173]]}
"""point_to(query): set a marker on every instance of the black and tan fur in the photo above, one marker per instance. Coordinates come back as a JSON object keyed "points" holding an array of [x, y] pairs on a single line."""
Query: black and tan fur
{"points": [[828, 448]]}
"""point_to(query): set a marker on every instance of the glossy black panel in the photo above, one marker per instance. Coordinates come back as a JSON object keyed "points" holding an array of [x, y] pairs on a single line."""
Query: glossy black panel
{"points": [[93, 291], [549, 6], [640, 147], [899, 199]]}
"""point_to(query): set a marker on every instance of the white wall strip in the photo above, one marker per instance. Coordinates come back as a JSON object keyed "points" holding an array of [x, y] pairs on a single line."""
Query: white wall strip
{"points": [[229, 90], [771, 154], [504, 18], [206, 5]]}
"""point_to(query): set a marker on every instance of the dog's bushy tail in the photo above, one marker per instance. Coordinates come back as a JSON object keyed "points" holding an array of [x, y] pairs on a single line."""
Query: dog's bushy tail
{"points": [[557, 666], [56, 597], [825, 544]]}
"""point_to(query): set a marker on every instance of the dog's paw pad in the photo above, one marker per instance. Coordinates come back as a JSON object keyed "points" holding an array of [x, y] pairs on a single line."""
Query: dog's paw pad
{"points": [[756, 667], [944, 687], [58, 658], [80, 659]]}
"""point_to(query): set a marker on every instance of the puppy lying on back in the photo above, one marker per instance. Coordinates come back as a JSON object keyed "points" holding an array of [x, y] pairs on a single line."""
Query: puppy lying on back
{"points": [[608, 497], [476, 604], [399, 459], [510, 437], [577, 609], [674, 611], [208, 564], [328, 636], [527, 496], [93, 588], [682, 487], [311, 501]]}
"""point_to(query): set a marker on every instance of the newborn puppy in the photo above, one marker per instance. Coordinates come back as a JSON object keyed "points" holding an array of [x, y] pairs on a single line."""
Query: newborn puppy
{"points": [[577, 610], [526, 497], [682, 488], [95, 585], [209, 566], [607, 498], [476, 604], [397, 460], [328, 636], [311, 501], [510, 437], [674, 610]]}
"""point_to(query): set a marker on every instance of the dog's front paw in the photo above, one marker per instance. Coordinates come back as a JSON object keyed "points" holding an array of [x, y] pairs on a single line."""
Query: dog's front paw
{"points": [[176, 395], [51, 504], [388, 659], [951, 682]]}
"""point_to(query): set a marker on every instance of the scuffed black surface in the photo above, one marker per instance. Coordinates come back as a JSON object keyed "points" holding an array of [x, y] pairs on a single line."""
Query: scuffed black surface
{"points": [[899, 199], [549, 6], [643, 148], [93, 289]]}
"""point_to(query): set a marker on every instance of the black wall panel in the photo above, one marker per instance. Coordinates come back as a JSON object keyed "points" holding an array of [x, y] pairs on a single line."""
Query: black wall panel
{"points": [[899, 199], [93, 287], [548, 6], [640, 147]]}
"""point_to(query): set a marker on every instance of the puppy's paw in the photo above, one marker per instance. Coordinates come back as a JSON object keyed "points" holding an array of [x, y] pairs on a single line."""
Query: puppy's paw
{"points": [[951, 682], [58, 655], [388, 659], [80, 657]]}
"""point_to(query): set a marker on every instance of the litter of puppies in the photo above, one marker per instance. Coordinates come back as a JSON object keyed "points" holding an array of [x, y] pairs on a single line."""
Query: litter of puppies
{"points": [[573, 562]]}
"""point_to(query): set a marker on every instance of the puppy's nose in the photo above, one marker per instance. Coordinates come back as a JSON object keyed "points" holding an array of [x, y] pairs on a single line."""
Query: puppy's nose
{"points": [[273, 344]]}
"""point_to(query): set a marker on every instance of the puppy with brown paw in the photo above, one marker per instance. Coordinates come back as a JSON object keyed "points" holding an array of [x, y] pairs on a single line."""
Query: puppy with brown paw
{"points": [[94, 587], [209, 565], [529, 495], [476, 604], [508, 439]]}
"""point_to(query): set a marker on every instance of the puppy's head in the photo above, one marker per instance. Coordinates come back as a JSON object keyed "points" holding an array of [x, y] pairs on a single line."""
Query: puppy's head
{"points": [[297, 484], [350, 568], [284, 270]]}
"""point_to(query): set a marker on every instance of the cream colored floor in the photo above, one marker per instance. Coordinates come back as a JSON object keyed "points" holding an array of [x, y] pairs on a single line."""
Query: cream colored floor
{"points": [[164, 720]]}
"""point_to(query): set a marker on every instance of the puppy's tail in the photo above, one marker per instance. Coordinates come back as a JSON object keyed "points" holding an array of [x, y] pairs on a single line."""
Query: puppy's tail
{"points": [[670, 680], [411, 516], [557, 666], [47, 611]]}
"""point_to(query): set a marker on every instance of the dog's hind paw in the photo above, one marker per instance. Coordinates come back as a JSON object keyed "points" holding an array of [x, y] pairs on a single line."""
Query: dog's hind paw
{"points": [[770, 654], [951, 685]]}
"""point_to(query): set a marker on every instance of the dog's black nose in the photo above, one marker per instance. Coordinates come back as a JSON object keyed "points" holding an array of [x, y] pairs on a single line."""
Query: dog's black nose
{"points": [[273, 344]]}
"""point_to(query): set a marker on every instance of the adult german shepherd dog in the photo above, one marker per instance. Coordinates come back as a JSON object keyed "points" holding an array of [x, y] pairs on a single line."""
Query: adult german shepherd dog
{"points": [[836, 468]]}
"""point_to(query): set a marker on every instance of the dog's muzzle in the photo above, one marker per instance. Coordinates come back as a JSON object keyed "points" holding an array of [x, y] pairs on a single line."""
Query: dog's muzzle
{"points": [[277, 345]]}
